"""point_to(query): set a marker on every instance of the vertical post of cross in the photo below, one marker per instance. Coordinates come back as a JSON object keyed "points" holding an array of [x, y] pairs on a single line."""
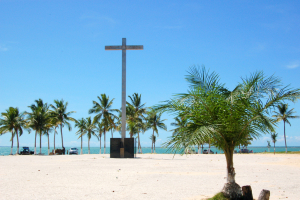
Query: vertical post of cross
{"points": [[123, 89], [124, 47]]}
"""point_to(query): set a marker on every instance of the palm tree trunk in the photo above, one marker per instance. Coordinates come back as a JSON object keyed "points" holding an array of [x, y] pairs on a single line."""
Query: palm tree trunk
{"points": [[12, 143], [89, 145], [274, 148], [100, 145], [198, 148], [48, 142], [154, 146], [284, 137], [152, 142], [138, 142], [54, 140], [104, 141], [230, 169], [40, 142], [35, 142], [112, 135], [17, 142], [81, 145], [62, 139], [209, 146]]}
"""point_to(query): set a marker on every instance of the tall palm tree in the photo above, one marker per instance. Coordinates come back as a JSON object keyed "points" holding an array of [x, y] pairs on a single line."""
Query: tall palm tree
{"points": [[60, 110], [284, 115], [135, 113], [81, 124], [142, 127], [154, 122], [103, 110], [54, 124], [89, 130], [153, 139], [99, 129], [274, 139], [37, 119], [13, 121], [46, 131], [269, 145]]}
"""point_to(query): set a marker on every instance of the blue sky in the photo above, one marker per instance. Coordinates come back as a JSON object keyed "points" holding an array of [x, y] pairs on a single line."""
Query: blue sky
{"points": [[55, 50]]}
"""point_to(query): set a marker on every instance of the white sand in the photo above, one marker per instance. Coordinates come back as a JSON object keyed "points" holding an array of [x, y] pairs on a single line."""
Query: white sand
{"points": [[146, 177]]}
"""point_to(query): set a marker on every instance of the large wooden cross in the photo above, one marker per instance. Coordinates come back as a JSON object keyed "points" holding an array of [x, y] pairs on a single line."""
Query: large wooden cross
{"points": [[124, 47]]}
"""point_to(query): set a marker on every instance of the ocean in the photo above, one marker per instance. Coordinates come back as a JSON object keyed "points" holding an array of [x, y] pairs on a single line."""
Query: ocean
{"points": [[95, 150]]}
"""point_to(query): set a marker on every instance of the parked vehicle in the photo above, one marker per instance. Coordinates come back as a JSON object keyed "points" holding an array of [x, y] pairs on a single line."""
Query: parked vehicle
{"points": [[245, 151], [73, 150], [26, 151], [205, 151], [59, 151]]}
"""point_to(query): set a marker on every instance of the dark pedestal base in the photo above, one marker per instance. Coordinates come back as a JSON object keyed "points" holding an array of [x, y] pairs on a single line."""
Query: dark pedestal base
{"points": [[118, 149]]}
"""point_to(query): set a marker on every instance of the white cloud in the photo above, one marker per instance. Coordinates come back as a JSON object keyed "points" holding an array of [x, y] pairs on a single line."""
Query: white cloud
{"points": [[95, 19], [293, 65], [3, 48]]}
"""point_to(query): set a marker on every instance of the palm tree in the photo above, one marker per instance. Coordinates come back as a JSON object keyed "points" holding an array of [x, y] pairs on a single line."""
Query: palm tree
{"points": [[154, 122], [142, 127], [269, 145], [60, 110], [103, 110], [38, 119], [99, 129], [153, 140], [135, 112], [54, 124], [81, 124], [46, 132], [284, 115], [89, 130], [274, 139], [13, 121], [226, 116]]}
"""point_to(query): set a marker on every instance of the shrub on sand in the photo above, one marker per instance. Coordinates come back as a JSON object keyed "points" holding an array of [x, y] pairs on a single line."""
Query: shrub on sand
{"points": [[219, 196]]}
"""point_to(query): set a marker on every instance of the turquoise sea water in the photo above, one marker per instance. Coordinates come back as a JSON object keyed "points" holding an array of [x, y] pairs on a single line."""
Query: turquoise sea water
{"points": [[95, 150]]}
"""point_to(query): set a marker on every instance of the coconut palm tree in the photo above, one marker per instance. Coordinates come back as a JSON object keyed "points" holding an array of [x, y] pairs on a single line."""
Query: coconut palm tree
{"points": [[99, 129], [103, 110], [274, 139], [269, 145], [153, 140], [81, 124], [284, 115], [154, 122], [47, 129], [89, 130], [13, 121], [60, 110], [54, 124], [142, 127], [135, 113], [38, 119]]}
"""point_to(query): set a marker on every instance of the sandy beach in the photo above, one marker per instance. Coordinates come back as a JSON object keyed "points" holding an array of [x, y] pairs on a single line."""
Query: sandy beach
{"points": [[149, 176]]}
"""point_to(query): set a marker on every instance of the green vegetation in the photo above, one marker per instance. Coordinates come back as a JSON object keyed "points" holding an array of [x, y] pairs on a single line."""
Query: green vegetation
{"points": [[284, 115], [274, 139], [219, 196], [227, 117], [13, 121]]}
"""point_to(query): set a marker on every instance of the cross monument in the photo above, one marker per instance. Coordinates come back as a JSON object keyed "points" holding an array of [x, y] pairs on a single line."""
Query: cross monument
{"points": [[124, 47]]}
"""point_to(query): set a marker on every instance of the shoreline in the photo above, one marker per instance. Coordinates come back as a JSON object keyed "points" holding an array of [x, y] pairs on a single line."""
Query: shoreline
{"points": [[149, 176]]}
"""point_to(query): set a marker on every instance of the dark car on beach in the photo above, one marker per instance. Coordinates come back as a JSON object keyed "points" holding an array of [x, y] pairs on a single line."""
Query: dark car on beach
{"points": [[245, 151], [26, 151], [205, 151]]}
